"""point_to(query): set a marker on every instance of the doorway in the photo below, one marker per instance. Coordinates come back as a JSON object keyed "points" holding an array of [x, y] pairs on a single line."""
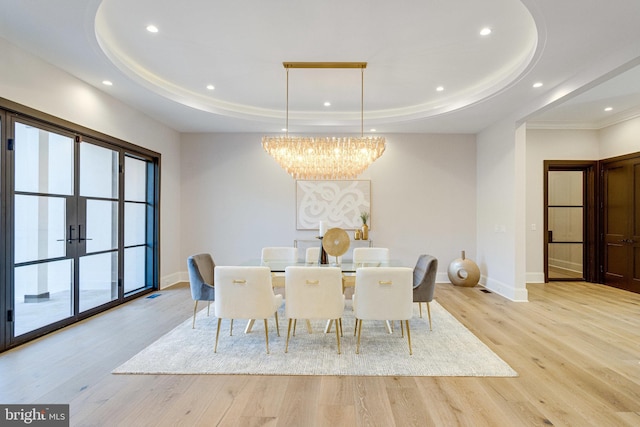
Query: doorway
{"points": [[569, 218]]}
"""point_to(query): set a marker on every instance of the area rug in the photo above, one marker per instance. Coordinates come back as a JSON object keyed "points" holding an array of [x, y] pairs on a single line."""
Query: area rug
{"points": [[449, 350]]}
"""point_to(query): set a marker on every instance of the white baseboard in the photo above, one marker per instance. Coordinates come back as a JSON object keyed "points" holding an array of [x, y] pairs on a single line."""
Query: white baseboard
{"points": [[442, 278], [173, 279], [505, 290], [534, 277]]}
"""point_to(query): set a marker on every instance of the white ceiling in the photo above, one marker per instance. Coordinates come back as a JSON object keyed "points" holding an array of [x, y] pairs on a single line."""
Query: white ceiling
{"points": [[411, 47]]}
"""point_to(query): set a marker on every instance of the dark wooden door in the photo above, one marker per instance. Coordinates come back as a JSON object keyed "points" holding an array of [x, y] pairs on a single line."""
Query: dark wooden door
{"points": [[621, 223]]}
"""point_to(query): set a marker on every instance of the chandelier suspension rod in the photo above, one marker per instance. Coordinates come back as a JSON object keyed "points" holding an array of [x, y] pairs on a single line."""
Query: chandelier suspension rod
{"points": [[287, 120], [361, 102]]}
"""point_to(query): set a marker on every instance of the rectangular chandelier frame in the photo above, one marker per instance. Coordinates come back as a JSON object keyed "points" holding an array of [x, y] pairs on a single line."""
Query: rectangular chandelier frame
{"points": [[324, 64]]}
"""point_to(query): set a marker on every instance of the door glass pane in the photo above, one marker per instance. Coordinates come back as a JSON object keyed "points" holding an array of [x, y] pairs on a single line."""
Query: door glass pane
{"points": [[102, 225], [565, 219], [43, 161], [98, 171], [43, 294], [134, 224], [565, 260], [566, 224], [134, 268], [135, 183], [565, 188], [39, 228], [98, 279]]}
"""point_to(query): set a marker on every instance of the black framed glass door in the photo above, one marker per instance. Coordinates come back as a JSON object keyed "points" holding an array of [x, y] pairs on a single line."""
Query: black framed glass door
{"points": [[80, 240], [43, 205], [569, 220]]}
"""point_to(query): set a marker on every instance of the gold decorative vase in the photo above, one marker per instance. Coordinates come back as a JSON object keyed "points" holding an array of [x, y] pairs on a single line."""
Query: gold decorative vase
{"points": [[365, 232], [463, 272]]}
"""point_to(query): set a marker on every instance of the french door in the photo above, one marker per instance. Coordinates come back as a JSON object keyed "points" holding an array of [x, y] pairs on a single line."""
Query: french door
{"points": [[82, 227]]}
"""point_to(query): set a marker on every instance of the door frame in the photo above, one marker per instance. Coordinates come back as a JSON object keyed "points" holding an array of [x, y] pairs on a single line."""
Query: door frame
{"points": [[590, 220]]}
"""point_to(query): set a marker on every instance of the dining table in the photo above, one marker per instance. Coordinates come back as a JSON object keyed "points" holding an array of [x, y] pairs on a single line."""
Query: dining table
{"points": [[348, 269]]}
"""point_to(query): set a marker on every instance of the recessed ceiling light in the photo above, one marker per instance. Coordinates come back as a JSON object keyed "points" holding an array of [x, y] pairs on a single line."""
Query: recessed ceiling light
{"points": [[210, 87], [440, 88], [152, 28], [327, 104], [107, 83], [283, 129], [537, 84], [485, 31], [608, 109], [372, 130]]}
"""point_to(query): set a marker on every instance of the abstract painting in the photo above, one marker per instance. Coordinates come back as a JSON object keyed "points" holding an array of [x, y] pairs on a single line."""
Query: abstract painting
{"points": [[338, 203]]}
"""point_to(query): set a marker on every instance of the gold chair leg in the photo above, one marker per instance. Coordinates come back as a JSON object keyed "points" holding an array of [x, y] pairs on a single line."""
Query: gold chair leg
{"points": [[340, 323], [420, 308], [408, 337], [266, 334], [286, 347], [338, 336], [277, 324], [231, 329], [359, 332], [355, 329], [295, 323], [215, 347], [195, 309], [208, 308], [401, 329], [429, 313], [309, 329]]}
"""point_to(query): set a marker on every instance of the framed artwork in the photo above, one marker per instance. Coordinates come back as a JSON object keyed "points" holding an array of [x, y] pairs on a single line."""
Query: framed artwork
{"points": [[337, 203]]}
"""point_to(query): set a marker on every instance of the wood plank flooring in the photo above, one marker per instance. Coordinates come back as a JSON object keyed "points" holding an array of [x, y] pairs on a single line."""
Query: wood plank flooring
{"points": [[576, 347]]}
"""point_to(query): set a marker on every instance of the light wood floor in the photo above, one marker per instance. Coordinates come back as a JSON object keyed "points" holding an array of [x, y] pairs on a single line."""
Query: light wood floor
{"points": [[576, 347]]}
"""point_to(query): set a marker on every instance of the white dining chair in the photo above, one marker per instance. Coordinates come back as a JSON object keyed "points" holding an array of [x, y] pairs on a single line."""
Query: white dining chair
{"points": [[245, 292], [279, 254], [383, 293], [370, 255], [365, 256], [312, 255], [314, 293]]}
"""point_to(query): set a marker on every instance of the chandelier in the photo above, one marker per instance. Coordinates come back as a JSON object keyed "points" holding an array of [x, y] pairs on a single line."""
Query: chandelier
{"points": [[308, 157]]}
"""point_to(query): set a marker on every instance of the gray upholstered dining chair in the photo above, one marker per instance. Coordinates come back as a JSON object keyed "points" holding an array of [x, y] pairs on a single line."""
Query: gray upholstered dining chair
{"points": [[424, 282], [201, 268]]}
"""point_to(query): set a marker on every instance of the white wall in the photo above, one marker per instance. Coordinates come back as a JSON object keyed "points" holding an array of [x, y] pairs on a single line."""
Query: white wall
{"points": [[620, 139], [30, 81], [549, 145], [500, 173], [236, 198]]}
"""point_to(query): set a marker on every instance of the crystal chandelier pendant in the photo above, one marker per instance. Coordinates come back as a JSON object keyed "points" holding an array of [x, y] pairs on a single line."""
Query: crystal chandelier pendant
{"points": [[324, 158]]}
